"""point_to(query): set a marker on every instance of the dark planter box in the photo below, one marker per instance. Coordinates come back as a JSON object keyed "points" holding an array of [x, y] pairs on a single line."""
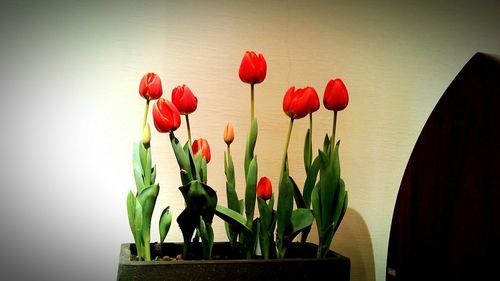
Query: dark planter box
{"points": [[300, 264]]}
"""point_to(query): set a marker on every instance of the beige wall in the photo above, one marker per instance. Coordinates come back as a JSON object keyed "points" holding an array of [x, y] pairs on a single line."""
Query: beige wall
{"points": [[85, 62]]}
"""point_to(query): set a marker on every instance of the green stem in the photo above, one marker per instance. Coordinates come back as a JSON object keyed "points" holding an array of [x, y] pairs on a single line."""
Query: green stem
{"points": [[252, 103], [185, 249], [310, 129], [147, 251], [332, 146], [189, 129], [285, 152], [145, 119]]}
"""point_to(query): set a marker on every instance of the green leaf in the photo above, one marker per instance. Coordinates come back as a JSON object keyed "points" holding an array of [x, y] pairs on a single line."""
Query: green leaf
{"points": [[285, 205], [153, 174], [138, 228], [200, 199], [143, 156], [299, 200], [339, 202], [250, 191], [229, 169], [305, 234], [326, 144], [232, 198], [330, 231], [328, 181], [187, 223], [197, 162], [182, 160], [250, 146], [202, 229], [147, 200], [209, 209], [307, 151], [195, 173], [263, 237], [207, 238], [334, 160], [203, 170], [270, 203], [286, 171], [301, 219], [266, 214], [131, 212], [229, 233], [316, 207], [343, 206], [242, 206], [135, 152], [311, 177], [138, 176], [165, 222], [232, 217], [147, 168], [187, 148]]}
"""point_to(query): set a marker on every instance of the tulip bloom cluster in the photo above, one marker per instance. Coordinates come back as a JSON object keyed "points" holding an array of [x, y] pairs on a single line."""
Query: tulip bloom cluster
{"points": [[322, 198], [140, 205]]}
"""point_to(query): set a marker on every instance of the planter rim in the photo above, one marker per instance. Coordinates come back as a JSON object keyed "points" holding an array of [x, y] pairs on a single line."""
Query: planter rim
{"points": [[125, 254]]}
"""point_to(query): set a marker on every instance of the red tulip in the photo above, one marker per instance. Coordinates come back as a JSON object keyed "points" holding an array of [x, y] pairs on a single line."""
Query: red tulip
{"points": [[253, 68], [184, 100], [336, 97], [201, 145], [166, 116], [313, 101], [299, 103], [264, 188], [150, 86]]}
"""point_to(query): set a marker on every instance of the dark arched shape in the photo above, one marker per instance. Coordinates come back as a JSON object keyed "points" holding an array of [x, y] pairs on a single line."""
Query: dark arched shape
{"points": [[446, 221]]}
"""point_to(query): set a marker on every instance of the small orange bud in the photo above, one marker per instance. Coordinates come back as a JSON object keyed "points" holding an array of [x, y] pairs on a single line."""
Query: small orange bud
{"points": [[228, 133]]}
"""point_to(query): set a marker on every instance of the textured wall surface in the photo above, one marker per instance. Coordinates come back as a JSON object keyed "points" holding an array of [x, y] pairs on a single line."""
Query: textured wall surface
{"points": [[70, 109]]}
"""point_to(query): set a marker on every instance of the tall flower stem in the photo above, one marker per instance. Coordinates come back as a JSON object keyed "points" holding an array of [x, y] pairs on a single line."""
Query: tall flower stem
{"points": [[285, 152], [310, 128], [252, 103], [189, 129], [145, 119], [332, 145], [147, 252]]}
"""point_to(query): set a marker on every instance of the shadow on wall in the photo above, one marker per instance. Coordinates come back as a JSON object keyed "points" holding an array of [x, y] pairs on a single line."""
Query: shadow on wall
{"points": [[354, 241]]}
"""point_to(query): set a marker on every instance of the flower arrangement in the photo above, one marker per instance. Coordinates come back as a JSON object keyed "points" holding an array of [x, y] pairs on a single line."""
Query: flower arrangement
{"points": [[322, 198]]}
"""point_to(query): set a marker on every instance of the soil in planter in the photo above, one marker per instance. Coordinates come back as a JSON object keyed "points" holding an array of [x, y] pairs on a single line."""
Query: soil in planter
{"points": [[221, 251]]}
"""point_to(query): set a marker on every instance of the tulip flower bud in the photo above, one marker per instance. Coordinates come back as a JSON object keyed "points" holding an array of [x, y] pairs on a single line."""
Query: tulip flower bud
{"points": [[299, 103], [166, 117], [228, 133], [184, 99], [150, 86], [253, 68], [264, 188], [313, 101], [336, 97], [201, 146], [146, 135]]}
